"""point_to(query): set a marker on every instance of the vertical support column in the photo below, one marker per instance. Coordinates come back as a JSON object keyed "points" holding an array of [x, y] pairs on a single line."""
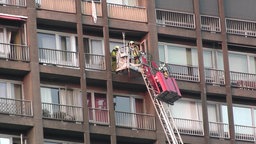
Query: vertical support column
{"points": [[109, 73], [201, 70], [227, 71], [152, 33], [83, 85], [32, 79]]}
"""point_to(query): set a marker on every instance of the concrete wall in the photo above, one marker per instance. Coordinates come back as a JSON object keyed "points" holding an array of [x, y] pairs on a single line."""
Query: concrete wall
{"points": [[176, 5]]}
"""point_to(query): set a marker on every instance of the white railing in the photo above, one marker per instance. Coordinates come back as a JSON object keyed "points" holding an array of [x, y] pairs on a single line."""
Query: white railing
{"points": [[58, 57], [62, 112], [99, 116], [213, 76], [14, 52], [125, 12], [135, 120], [175, 19], [219, 130], [186, 73], [13, 2], [87, 8], [189, 126], [243, 80], [210, 23], [241, 27], [16, 107], [245, 133], [95, 61], [68, 6]]}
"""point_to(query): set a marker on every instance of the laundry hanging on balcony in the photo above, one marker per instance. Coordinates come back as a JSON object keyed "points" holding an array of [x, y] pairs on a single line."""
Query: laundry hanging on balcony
{"points": [[94, 12]]}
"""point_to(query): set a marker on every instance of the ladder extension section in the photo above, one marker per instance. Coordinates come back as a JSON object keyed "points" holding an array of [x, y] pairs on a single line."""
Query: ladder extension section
{"points": [[167, 122]]}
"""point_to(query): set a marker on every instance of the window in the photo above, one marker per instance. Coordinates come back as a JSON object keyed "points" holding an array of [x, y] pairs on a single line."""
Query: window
{"points": [[57, 48], [5, 141], [252, 63], [238, 62], [124, 2], [98, 108], [10, 90]]}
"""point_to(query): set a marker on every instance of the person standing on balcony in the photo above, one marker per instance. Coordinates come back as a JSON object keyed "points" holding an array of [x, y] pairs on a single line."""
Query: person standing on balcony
{"points": [[113, 56]]}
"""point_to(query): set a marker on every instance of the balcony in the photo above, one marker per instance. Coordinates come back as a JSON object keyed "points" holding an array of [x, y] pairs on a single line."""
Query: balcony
{"points": [[99, 116], [62, 112], [215, 77], [95, 61], [182, 72], [175, 19], [68, 6], [243, 80], [58, 57], [189, 126], [210, 23], [219, 130], [135, 120], [87, 8], [14, 52], [125, 12], [21, 3], [16, 107], [245, 133], [241, 27]]}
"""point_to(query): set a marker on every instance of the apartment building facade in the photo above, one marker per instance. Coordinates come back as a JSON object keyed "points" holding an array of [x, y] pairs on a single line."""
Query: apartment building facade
{"points": [[57, 85]]}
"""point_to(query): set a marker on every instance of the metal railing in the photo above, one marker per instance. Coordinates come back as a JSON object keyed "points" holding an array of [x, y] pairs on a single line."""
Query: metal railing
{"points": [[95, 61], [210, 23], [68, 6], [189, 126], [87, 8], [175, 19], [13, 2], [14, 52], [99, 116], [186, 73], [58, 57], [219, 130], [16, 107], [243, 80], [125, 12], [241, 27], [135, 120], [62, 112], [245, 133], [213, 76]]}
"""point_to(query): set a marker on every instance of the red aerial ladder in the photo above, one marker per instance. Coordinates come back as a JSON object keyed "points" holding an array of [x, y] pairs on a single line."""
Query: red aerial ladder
{"points": [[161, 87]]}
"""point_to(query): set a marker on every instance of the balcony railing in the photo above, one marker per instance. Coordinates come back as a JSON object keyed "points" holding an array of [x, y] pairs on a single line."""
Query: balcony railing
{"points": [[243, 80], [95, 61], [13, 2], [135, 120], [125, 12], [14, 52], [219, 130], [87, 8], [186, 73], [68, 6], [58, 57], [175, 19], [241, 27], [62, 112], [190, 127], [210, 23], [16, 107], [245, 133], [213, 76], [99, 116]]}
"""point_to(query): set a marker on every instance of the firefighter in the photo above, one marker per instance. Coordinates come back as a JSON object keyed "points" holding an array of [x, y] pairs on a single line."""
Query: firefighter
{"points": [[135, 52], [164, 70], [113, 56]]}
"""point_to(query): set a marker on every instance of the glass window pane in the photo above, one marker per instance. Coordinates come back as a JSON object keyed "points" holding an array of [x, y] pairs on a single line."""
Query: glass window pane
{"points": [[3, 90], [253, 65], [16, 91], [242, 116], [194, 57], [208, 59], [46, 41], [5, 141], [113, 44], [176, 55], [238, 62], [161, 53], [100, 101], [122, 104], [220, 64], [212, 112], [185, 110], [97, 47]]}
